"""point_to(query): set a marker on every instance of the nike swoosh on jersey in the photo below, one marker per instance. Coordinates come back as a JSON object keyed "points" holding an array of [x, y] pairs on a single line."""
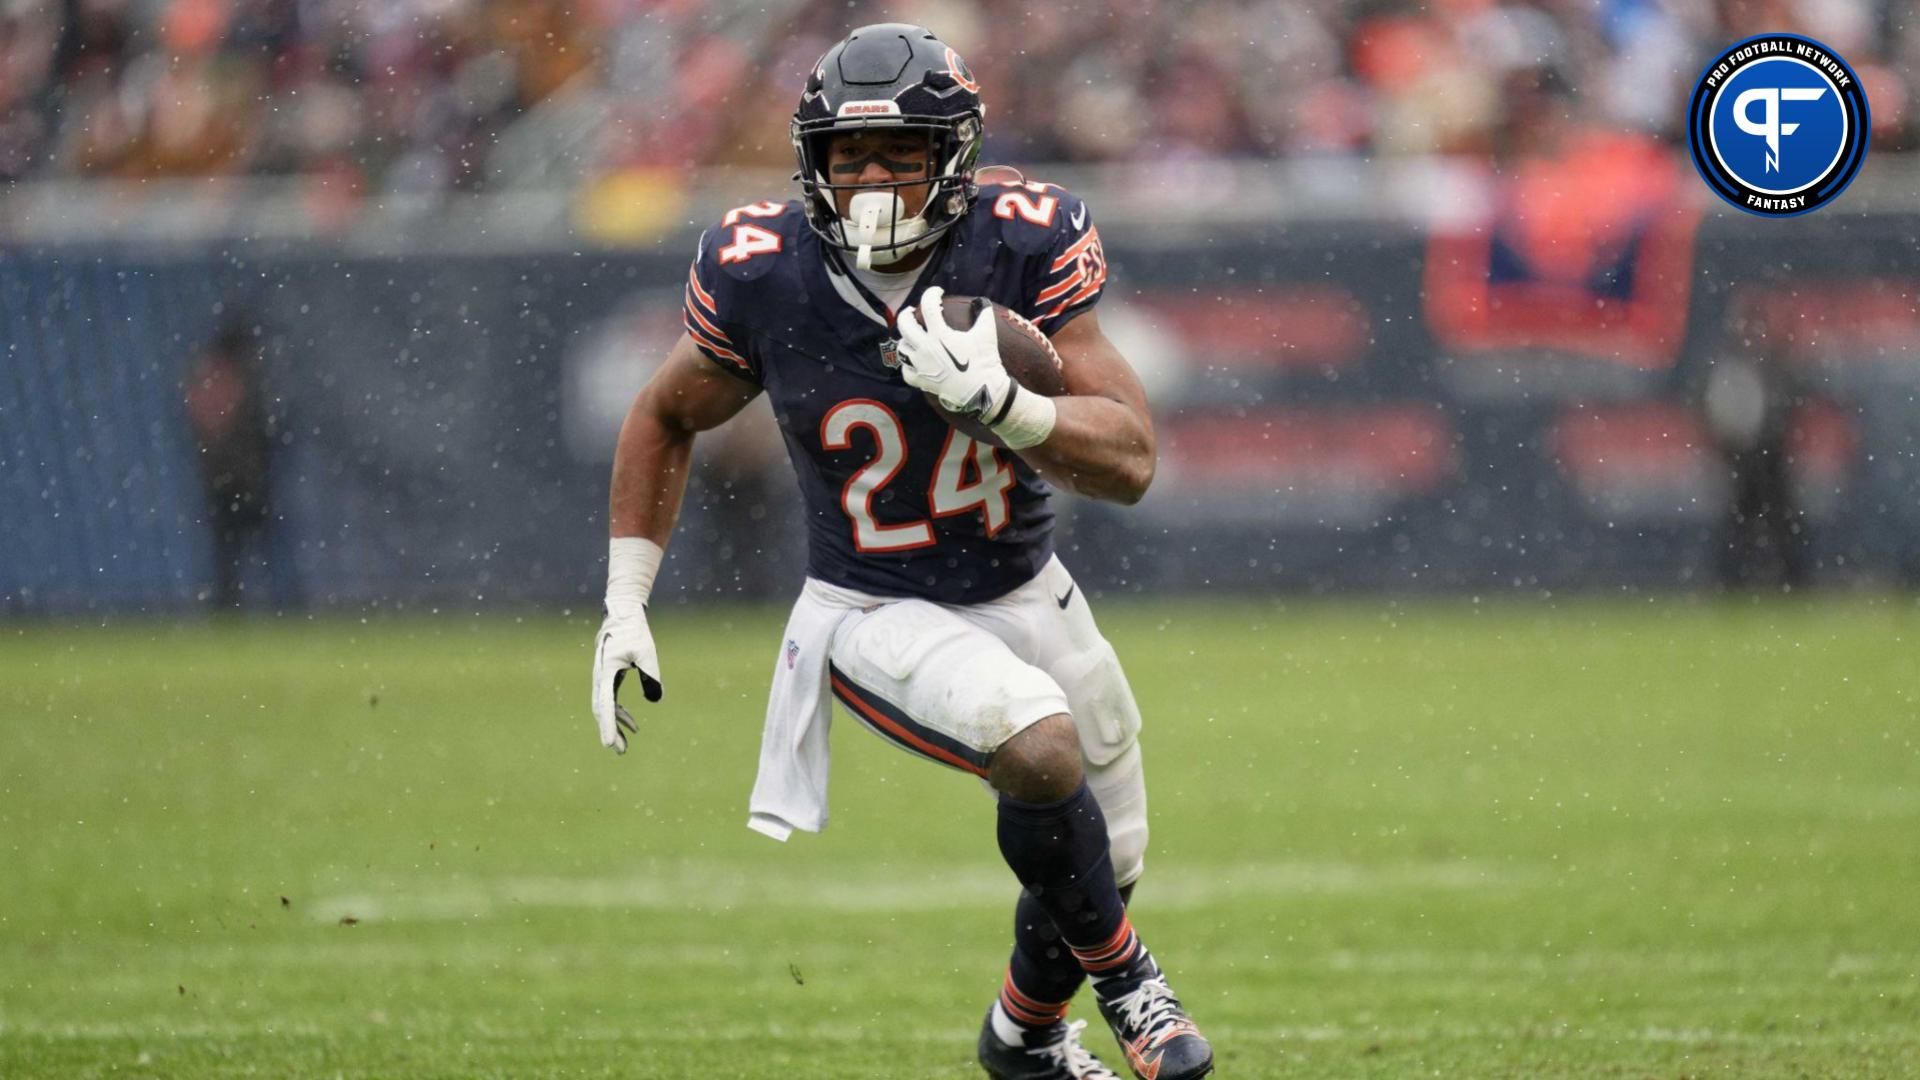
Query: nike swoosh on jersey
{"points": [[1064, 600], [1078, 217]]}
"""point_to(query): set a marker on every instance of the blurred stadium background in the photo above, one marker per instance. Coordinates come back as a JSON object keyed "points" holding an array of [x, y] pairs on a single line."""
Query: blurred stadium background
{"points": [[1427, 296], [1436, 318]]}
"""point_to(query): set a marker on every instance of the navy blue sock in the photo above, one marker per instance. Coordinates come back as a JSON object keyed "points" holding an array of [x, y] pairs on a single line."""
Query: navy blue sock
{"points": [[1059, 852], [1042, 968], [1043, 975]]}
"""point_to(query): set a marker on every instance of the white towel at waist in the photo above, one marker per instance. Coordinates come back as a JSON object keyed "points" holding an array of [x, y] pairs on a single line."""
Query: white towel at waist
{"points": [[790, 789]]}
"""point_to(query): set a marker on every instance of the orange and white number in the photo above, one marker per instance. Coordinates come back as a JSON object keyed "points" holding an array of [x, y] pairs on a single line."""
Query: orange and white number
{"points": [[952, 493], [890, 453], [762, 209], [1029, 201], [969, 474], [749, 239]]}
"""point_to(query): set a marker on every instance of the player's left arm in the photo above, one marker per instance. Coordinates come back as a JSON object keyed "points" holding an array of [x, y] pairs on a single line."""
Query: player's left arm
{"points": [[1102, 441]]}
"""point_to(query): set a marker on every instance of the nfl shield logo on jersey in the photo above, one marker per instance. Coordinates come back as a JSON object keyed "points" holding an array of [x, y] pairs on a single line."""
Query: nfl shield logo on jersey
{"points": [[890, 352]]}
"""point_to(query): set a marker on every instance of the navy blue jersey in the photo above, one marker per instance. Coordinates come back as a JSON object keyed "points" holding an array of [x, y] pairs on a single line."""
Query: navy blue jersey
{"points": [[898, 502]]}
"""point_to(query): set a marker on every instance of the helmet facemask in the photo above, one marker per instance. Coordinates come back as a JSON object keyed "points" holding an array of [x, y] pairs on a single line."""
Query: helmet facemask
{"points": [[875, 229]]}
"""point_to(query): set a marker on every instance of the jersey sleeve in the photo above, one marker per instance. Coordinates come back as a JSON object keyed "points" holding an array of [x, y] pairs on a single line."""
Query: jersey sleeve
{"points": [[1068, 275], [719, 338]]}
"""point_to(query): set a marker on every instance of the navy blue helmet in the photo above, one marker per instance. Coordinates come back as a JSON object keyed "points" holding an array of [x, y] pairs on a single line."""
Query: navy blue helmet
{"points": [[890, 76]]}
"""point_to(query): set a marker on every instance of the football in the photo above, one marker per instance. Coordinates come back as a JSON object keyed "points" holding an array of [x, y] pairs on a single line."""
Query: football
{"points": [[1027, 354]]}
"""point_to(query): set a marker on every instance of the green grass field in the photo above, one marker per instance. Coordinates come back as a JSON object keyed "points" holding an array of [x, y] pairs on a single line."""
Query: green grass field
{"points": [[1663, 839]]}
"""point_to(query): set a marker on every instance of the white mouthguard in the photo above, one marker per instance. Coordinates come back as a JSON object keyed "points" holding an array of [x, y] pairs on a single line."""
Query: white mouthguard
{"points": [[877, 217]]}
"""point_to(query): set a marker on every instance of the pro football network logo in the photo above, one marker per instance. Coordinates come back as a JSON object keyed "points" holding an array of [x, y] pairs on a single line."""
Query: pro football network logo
{"points": [[1778, 125]]}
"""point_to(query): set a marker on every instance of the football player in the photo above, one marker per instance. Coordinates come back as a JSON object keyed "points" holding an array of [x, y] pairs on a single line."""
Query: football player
{"points": [[934, 608]]}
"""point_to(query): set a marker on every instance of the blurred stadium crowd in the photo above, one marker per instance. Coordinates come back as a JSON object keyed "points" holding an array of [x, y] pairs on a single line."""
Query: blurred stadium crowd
{"points": [[371, 96]]}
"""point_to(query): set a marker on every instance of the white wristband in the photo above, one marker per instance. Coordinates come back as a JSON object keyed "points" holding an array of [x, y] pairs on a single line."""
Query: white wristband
{"points": [[632, 564], [1029, 419]]}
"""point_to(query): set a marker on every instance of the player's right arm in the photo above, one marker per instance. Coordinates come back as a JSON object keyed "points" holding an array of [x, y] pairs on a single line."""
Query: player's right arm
{"points": [[688, 395]]}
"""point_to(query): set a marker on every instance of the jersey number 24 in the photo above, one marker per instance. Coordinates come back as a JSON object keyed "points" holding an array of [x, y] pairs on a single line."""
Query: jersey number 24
{"points": [[951, 492]]}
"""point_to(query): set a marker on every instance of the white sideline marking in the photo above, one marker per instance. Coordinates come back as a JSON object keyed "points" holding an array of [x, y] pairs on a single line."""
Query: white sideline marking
{"points": [[1606, 961], [169, 1032], [1787, 974], [715, 886]]}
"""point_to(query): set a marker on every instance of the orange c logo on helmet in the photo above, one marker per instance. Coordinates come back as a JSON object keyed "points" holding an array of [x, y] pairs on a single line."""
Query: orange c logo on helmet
{"points": [[957, 68]]}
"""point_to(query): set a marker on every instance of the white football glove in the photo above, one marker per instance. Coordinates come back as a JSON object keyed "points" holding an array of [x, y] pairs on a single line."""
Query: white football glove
{"points": [[962, 368], [625, 642]]}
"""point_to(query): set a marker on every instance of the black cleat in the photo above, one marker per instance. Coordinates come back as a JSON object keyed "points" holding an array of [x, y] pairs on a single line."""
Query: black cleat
{"points": [[1053, 1053], [1160, 1040]]}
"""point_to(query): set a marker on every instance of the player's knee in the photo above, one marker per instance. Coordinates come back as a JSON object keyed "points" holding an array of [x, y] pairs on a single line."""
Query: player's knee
{"points": [[1041, 764]]}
